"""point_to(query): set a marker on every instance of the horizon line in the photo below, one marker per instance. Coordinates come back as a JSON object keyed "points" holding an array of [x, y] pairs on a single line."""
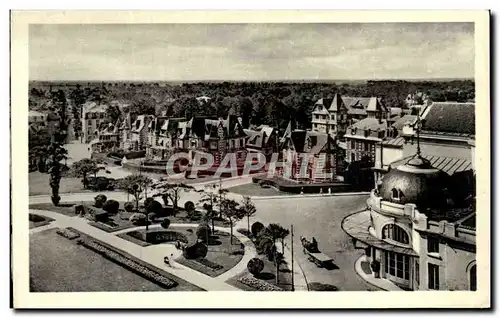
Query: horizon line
{"points": [[263, 80]]}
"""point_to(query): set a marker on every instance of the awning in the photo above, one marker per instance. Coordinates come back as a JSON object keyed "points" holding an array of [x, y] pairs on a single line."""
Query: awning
{"points": [[357, 226]]}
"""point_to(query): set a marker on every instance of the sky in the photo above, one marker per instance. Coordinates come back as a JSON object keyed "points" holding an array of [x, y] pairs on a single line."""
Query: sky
{"points": [[253, 52]]}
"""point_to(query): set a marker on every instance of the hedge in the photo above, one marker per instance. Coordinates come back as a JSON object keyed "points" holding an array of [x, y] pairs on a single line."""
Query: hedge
{"points": [[129, 264]]}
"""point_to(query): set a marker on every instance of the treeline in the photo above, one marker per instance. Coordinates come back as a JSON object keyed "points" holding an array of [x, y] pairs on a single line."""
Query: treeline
{"points": [[257, 103]]}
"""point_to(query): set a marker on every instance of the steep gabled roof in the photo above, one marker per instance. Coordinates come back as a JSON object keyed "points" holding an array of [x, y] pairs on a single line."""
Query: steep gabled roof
{"points": [[450, 117]]}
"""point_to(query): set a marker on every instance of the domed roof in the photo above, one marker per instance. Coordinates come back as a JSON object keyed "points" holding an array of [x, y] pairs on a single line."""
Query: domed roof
{"points": [[416, 182]]}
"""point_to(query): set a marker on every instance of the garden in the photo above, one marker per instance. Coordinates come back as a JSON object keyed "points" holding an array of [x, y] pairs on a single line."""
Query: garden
{"points": [[270, 270], [69, 261]]}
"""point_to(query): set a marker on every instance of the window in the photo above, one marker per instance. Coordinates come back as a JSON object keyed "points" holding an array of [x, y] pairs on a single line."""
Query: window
{"points": [[241, 143], [353, 144], [353, 157], [395, 233], [433, 271], [397, 265], [366, 146], [432, 245]]}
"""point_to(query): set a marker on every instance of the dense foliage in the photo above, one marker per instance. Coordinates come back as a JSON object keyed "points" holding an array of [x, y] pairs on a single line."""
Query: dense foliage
{"points": [[256, 102]]}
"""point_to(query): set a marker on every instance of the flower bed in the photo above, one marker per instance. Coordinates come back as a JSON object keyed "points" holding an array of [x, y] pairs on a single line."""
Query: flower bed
{"points": [[258, 284], [128, 263], [209, 264], [68, 233]]}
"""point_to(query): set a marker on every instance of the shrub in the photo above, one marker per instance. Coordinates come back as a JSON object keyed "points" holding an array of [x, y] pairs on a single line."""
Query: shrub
{"points": [[147, 202], [111, 206], [203, 232], [99, 200], [258, 284], [255, 266], [264, 245], [67, 233], [189, 206], [165, 223], [154, 207], [129, 207], [256, 228], [79, 209], [129, 263], [138, 219], [195, 251]]}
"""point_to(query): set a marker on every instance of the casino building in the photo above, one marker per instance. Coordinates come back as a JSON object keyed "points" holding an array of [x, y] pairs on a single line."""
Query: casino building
{"points": [[419, 228]]}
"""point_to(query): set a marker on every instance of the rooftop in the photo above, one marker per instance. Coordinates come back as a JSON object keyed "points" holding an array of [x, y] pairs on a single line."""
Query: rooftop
{"points": [[450, 117], [446, 164]]}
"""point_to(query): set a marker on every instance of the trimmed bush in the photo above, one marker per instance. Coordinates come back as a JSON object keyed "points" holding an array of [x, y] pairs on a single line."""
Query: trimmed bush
{"points": [[154, 207], [138, 219], [99, 200], [165, 223], [111, 206], [258, 284], [189, 206], [203, 232], [255, 266], [129, 207], [256, 228], [198, 250]]}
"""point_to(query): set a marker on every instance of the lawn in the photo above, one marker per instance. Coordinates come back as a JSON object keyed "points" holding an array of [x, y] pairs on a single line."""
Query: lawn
{"points": [[39, 184], [267, 275], [38, 220], [253, 189], [60, 265], [220, 251]]}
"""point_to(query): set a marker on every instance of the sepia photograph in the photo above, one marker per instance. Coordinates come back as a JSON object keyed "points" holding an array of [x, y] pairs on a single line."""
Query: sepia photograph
{"points": [[281, 155]]}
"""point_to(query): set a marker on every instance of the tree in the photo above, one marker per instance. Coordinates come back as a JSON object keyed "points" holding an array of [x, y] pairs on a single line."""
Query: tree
{"points": [[276, 231], [135, 185], [210, 195], [171, 190], [256, 228], [57, 153], [230, 209], [248, 209], [83, 168], [283, 234], [111, 206]]}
